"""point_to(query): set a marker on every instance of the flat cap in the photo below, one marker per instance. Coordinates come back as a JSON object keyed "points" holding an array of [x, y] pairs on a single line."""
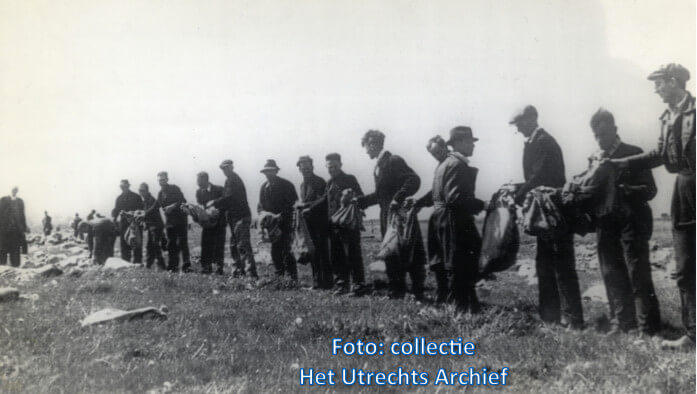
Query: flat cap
{"points": [[526, 112], [162, 174], [672, 70], [226, 163], [304, 159]]}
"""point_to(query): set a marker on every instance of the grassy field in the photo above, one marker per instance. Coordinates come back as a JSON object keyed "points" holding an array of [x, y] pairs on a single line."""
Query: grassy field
{"points": [[230, 335]]}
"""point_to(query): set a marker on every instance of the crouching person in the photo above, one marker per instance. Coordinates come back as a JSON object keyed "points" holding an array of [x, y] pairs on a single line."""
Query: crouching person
{"points": [[153, 228], [103, 236], [454, 243]]}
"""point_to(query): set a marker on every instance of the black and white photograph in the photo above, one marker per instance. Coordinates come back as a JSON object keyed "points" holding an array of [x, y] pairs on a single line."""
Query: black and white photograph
{"points": [[289, 196]]}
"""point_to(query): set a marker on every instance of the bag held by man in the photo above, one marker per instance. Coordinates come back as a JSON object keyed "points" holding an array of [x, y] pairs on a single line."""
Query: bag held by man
{"points": [[348, 216], [205, 217], [302, 246], [541, 214], [500, 237]]}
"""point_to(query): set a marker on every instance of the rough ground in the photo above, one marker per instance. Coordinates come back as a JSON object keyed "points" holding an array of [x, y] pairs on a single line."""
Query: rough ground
{"points": [[229, 335]]}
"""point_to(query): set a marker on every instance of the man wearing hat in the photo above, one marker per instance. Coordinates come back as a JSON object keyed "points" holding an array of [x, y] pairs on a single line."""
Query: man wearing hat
{"points": [[454, 243], [239, 217], [13, 225], [213, 238], [277, 195], [170, 198], [676, 150], [344, 244], [127, 201], [543, 165], [313, 206], [394, 182]]}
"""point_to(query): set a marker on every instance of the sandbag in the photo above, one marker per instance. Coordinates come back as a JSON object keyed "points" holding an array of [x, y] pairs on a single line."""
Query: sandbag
{"points": [[393, 240], [133, 234], [541, 214], [593, 191], [113, 315], [500, 237], [302, 246], [205, 217], [270, 225], [348, 216]]}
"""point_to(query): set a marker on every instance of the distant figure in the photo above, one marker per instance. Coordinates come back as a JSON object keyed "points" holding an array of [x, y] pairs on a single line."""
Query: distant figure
{"points": [[13, 225], [91, 215], [314, 209], [46, 222], [75, 225], [277, 196], [153, 228], [212, 239], [239, 217], [170, 198], [127, 201]]}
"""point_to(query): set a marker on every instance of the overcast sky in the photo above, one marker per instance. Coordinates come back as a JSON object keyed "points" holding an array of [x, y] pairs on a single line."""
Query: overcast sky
{"points": [[95, 91]]}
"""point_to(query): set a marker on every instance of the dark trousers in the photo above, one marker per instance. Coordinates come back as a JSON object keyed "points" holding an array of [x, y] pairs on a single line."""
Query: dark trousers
{"points": [[559, 292], [684, 244], [346, 258], [283, 260], [623, 253], [213, 247], [152, 248], [321, 265], [126, 250], [241, 246], [10, 244], [103, 247], [177, 241]]}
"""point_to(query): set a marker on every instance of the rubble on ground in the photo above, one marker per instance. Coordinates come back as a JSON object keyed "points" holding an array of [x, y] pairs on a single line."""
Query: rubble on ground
{"points": [[117, 315]]}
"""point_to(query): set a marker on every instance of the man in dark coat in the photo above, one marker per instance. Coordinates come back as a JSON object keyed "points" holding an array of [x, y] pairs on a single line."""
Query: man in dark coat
{"points": [[170, 199], [153, 227], [127, 201], [454, 243], [394, 181], [46, 222], [676, 150], [13, 226], [213, 238], [313, 207], [623, 236], [75, 225], [277, 196], [344, 244], [239, 217], [543, 165]]}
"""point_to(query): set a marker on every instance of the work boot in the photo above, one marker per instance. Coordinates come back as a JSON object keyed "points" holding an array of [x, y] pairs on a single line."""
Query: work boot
{"points": [[682, 343], [220, 270], [186, 267]]}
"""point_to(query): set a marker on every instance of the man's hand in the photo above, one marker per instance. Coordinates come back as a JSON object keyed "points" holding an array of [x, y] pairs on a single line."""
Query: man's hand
{"points": [[299, 205], [305, 212], [619, 163], [394, 204]]}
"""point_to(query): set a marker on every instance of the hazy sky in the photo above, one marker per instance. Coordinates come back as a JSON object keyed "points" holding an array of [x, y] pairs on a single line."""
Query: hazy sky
{"points": [[95, 91]]}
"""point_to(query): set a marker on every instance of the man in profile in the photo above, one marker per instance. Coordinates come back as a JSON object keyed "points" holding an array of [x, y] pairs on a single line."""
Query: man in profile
{"points": [[170, 198], [394, 182], [543, 165], [676, 151], [344, 244], [234, 204], [213, 238], [13, 225], [153, 228], [313, 205], [127, 201], [278, 196]]}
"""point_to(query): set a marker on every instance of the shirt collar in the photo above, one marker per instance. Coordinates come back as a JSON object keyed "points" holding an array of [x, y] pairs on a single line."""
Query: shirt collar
{"points": [[381, 155], [679, 107], [533, 135]]}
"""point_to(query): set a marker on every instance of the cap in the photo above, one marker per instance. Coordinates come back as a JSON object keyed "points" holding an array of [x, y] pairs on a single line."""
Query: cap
{"points": [[526, 112], [125, 182], [162, 174], [226, 163], [270, 166], [304, 159], [672, 70], [460, 133]]}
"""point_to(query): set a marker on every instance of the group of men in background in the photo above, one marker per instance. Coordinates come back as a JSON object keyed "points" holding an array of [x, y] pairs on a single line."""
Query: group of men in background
{"points": [[454, 242]]}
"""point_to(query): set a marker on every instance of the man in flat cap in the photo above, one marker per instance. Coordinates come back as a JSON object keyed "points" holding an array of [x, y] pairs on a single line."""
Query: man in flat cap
{"points": [[239, 217], [394, 182], [127, 201], [213, 238], [454, 243], [153, 228], [313, 205], [13, 225], [543, 165], [170, 198], [623, 236], [676, 151], [344, 244], [278, 196]]}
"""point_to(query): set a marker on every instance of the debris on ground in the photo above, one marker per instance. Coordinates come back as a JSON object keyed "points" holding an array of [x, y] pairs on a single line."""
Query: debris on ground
{"points": [[117, 315], [8, 294]]}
